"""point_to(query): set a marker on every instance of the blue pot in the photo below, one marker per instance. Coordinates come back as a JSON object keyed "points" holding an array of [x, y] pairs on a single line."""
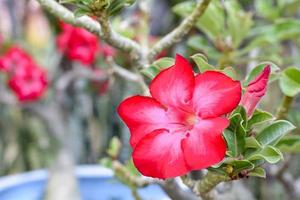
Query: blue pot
{"points": [[95, 182]]}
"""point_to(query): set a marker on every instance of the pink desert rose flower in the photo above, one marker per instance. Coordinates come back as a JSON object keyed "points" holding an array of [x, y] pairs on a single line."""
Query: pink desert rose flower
{"points": [[255, 90], [13, 58], [25, 78], [78, 44], [179, 128], [28, 82]]}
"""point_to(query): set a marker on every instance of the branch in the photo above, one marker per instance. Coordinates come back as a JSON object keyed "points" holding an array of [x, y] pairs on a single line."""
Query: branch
{"points": [[117, 40], [114, 39], [208, 183], [122, 72], [129, 179], [175, 191], [67, 16], [178, 33], [76, 73]]}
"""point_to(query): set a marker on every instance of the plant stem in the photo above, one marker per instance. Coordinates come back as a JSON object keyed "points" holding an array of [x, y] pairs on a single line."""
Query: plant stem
{"points": [[105, 32], [129, 179], [67, 16], [178, 33], [114, 39], [284, 107], [209, 181]]}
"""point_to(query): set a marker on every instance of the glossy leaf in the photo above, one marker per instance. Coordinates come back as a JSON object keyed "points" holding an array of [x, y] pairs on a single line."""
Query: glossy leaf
{"points": [[267, 9], [150, 72], [202, 62], [251, 142], [275, 131], [163, 63], [240, 165], [238, 22], [236, 133], [289, 144], [258, 172], [81, 12], [211, 22], [258, 117], [200, 44], [270, 154], [116, 6], [229, 71], [157, 66], [290, 81]]}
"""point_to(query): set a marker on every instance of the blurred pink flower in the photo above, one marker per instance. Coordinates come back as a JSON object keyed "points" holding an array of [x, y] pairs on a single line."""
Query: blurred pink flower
{"points": [[78, 44], [25, 78]]}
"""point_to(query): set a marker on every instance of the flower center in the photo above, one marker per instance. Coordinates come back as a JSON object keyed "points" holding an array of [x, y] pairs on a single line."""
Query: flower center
{"points": [[191, 120]]}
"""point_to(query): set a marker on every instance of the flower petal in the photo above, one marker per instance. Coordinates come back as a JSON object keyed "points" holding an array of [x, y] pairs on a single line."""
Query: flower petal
{"points": [[215, 94], [159, 155], [256, 90], [204, 145], [142, 115], [174, 86]]}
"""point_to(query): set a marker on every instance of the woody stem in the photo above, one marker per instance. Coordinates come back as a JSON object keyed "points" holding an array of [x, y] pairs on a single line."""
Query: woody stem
{"points": [[208, 183], [111, 37], [178, 33]]}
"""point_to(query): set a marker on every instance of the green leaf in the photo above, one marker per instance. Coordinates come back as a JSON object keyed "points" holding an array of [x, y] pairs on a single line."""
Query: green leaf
{"points": [[163, 63], [258, 172], [150, 72], [157, 66], [235, 142], [240, 165], [267, 9], [238, 115], [290, 81], [217, 170], [202, 62], [235, 134], [251, 142], [212, 22], [270, 154], [229, 71], [258, 117], [289, 144], [294, 117], [81, 12], [200, 44], [259, 68], [116, 6], [286, 28], [275, 131], [238, 22]]}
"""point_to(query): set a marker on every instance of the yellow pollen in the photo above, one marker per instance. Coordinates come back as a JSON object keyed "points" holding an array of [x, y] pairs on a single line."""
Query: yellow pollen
{"points": [[191, 120]]}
